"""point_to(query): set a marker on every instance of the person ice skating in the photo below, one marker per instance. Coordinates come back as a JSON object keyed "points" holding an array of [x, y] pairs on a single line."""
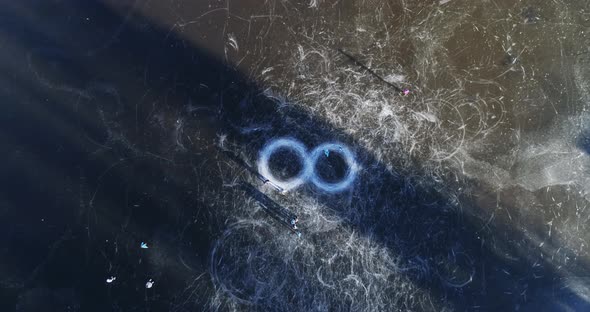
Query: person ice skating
{"points": [[294, 223]]}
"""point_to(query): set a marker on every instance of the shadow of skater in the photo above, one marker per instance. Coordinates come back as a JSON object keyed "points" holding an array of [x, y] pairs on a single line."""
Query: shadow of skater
{"points": [[276, 211], [253, 171]]}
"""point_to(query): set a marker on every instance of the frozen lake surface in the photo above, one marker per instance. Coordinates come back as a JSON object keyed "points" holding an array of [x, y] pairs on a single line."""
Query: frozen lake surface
{"points": [[133, 133]]}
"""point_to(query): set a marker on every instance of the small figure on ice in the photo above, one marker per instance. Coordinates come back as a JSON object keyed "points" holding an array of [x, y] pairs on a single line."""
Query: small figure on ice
{"points": [[294, 222], [149, 284], [144, 245]]}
